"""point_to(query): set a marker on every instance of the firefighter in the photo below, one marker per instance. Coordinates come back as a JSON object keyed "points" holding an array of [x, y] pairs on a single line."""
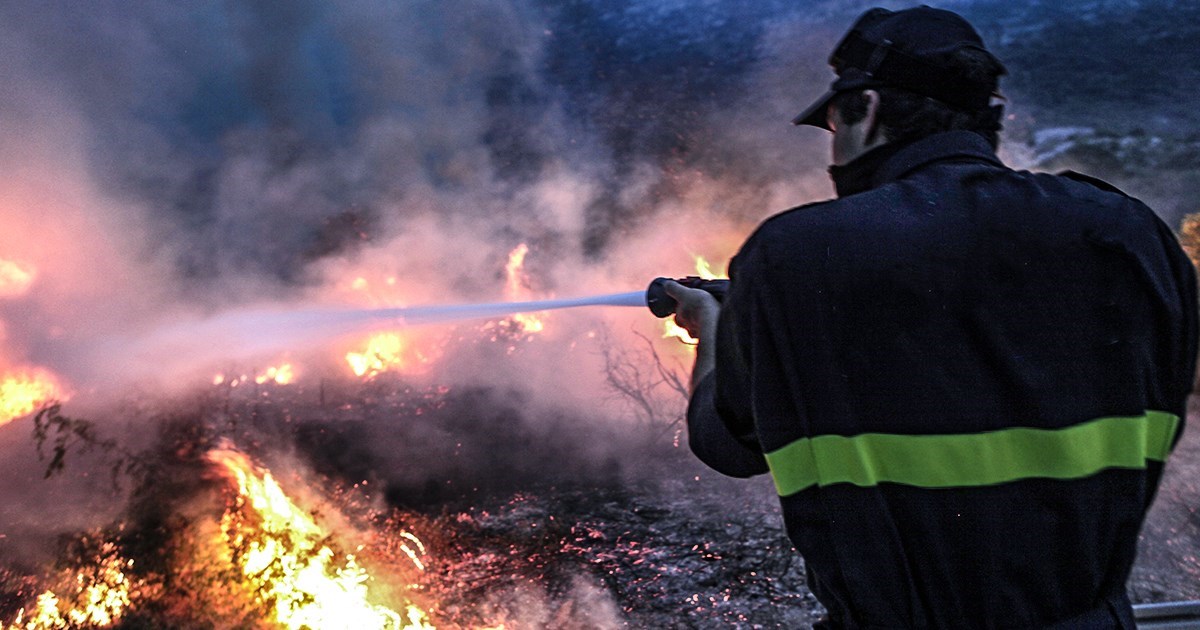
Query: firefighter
{"points": [[963, 379]]}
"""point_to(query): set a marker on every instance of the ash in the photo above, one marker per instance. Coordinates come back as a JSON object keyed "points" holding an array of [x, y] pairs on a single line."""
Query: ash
{"points": [[698, 554]]}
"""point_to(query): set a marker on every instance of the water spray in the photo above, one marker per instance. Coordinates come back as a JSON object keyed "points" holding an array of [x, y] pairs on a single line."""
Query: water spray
{"points": [[252, 332], [321, 322], [655, 297]]}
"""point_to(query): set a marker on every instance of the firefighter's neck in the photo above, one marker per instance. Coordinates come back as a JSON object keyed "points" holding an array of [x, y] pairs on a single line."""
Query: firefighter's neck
{"points": [[859, 175], [850, 141]]}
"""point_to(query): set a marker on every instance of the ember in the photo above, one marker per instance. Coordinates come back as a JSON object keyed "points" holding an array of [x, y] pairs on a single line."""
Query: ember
{"points": [[282, 374]]}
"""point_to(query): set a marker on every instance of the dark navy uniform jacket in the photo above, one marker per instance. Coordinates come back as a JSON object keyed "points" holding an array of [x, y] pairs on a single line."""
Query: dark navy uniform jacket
{"points": [[964, 382]]}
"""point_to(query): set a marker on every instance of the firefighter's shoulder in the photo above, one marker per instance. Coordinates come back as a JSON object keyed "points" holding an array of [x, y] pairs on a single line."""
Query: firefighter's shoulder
{"points": [[1095, 182]]}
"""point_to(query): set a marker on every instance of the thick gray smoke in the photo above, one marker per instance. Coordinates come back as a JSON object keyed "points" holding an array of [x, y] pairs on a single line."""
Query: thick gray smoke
{"points": [[190, 158]]}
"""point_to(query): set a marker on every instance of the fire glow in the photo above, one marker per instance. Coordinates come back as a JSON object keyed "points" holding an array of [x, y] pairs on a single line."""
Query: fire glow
{"points": [[286, 559], [15, 278]]}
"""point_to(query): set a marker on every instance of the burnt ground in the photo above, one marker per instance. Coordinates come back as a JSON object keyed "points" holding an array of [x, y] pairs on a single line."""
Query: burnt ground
{"points": [[707, 552], [700, 552]]}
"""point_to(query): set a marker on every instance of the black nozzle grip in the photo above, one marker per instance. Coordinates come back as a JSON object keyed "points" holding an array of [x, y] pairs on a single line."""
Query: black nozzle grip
{"points": [[663, 305]]}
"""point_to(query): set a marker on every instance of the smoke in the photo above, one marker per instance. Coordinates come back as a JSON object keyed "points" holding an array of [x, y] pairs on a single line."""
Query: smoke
{"points": [[171, 163], [171, 169]]}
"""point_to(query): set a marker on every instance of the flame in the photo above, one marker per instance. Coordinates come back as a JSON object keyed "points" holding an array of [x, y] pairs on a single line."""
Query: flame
{"points": [[282, 374], [671, 330], [704, 270], [15, 278], [288, 563], [406, 351], [23, 392], [516, 289], [96, 597], [389, 351]]}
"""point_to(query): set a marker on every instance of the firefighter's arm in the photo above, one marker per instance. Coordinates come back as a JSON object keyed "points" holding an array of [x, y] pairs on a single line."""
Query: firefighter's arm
{"points": [[713, 442], [709, 435], [697, 311]]}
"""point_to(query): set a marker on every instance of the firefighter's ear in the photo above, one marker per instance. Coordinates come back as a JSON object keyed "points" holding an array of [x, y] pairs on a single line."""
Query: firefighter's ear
{"points": [[871, 119]]}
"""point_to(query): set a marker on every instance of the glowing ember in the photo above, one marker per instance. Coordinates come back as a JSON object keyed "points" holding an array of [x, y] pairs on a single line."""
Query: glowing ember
{"points": [[516, 289], [15, 278], [282, 374], [96, 597], [288, 563], [22, 393]]}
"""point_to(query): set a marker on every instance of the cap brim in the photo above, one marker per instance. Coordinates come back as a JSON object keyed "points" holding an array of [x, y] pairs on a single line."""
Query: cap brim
{"points": [[817, 114]]}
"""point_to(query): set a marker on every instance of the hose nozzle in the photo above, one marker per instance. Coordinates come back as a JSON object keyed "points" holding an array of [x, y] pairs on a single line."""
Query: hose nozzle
{"points": [[663, 305]]}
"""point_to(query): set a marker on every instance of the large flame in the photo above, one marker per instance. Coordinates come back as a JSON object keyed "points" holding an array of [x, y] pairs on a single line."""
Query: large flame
{"points": [[289, 563], [22, 392]]}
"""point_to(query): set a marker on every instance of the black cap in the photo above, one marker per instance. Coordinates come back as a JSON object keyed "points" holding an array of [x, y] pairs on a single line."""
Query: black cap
{"points": [[907, 49]]}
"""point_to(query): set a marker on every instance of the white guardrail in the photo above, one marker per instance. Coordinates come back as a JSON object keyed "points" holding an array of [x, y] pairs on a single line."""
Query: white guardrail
{"points": [[1168, 616]]}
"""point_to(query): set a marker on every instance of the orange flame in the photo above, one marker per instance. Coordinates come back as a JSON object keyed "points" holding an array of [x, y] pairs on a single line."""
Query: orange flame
{"points": [[21, 393], [388, 352], [97, 597], [671, 330], [289, 564], [282, 374], [516, 289], [704, 270]]}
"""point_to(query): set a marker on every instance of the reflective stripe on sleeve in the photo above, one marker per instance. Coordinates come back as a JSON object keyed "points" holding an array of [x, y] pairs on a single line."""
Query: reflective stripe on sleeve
{"points": [[974, 459]]}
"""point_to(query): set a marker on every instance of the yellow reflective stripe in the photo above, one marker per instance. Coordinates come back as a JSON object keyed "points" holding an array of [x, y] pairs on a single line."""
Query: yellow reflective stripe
{"points": [[974, 459]]}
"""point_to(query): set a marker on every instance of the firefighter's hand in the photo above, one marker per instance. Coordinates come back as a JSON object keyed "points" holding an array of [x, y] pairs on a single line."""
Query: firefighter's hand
{"points": [[697, 310]]}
